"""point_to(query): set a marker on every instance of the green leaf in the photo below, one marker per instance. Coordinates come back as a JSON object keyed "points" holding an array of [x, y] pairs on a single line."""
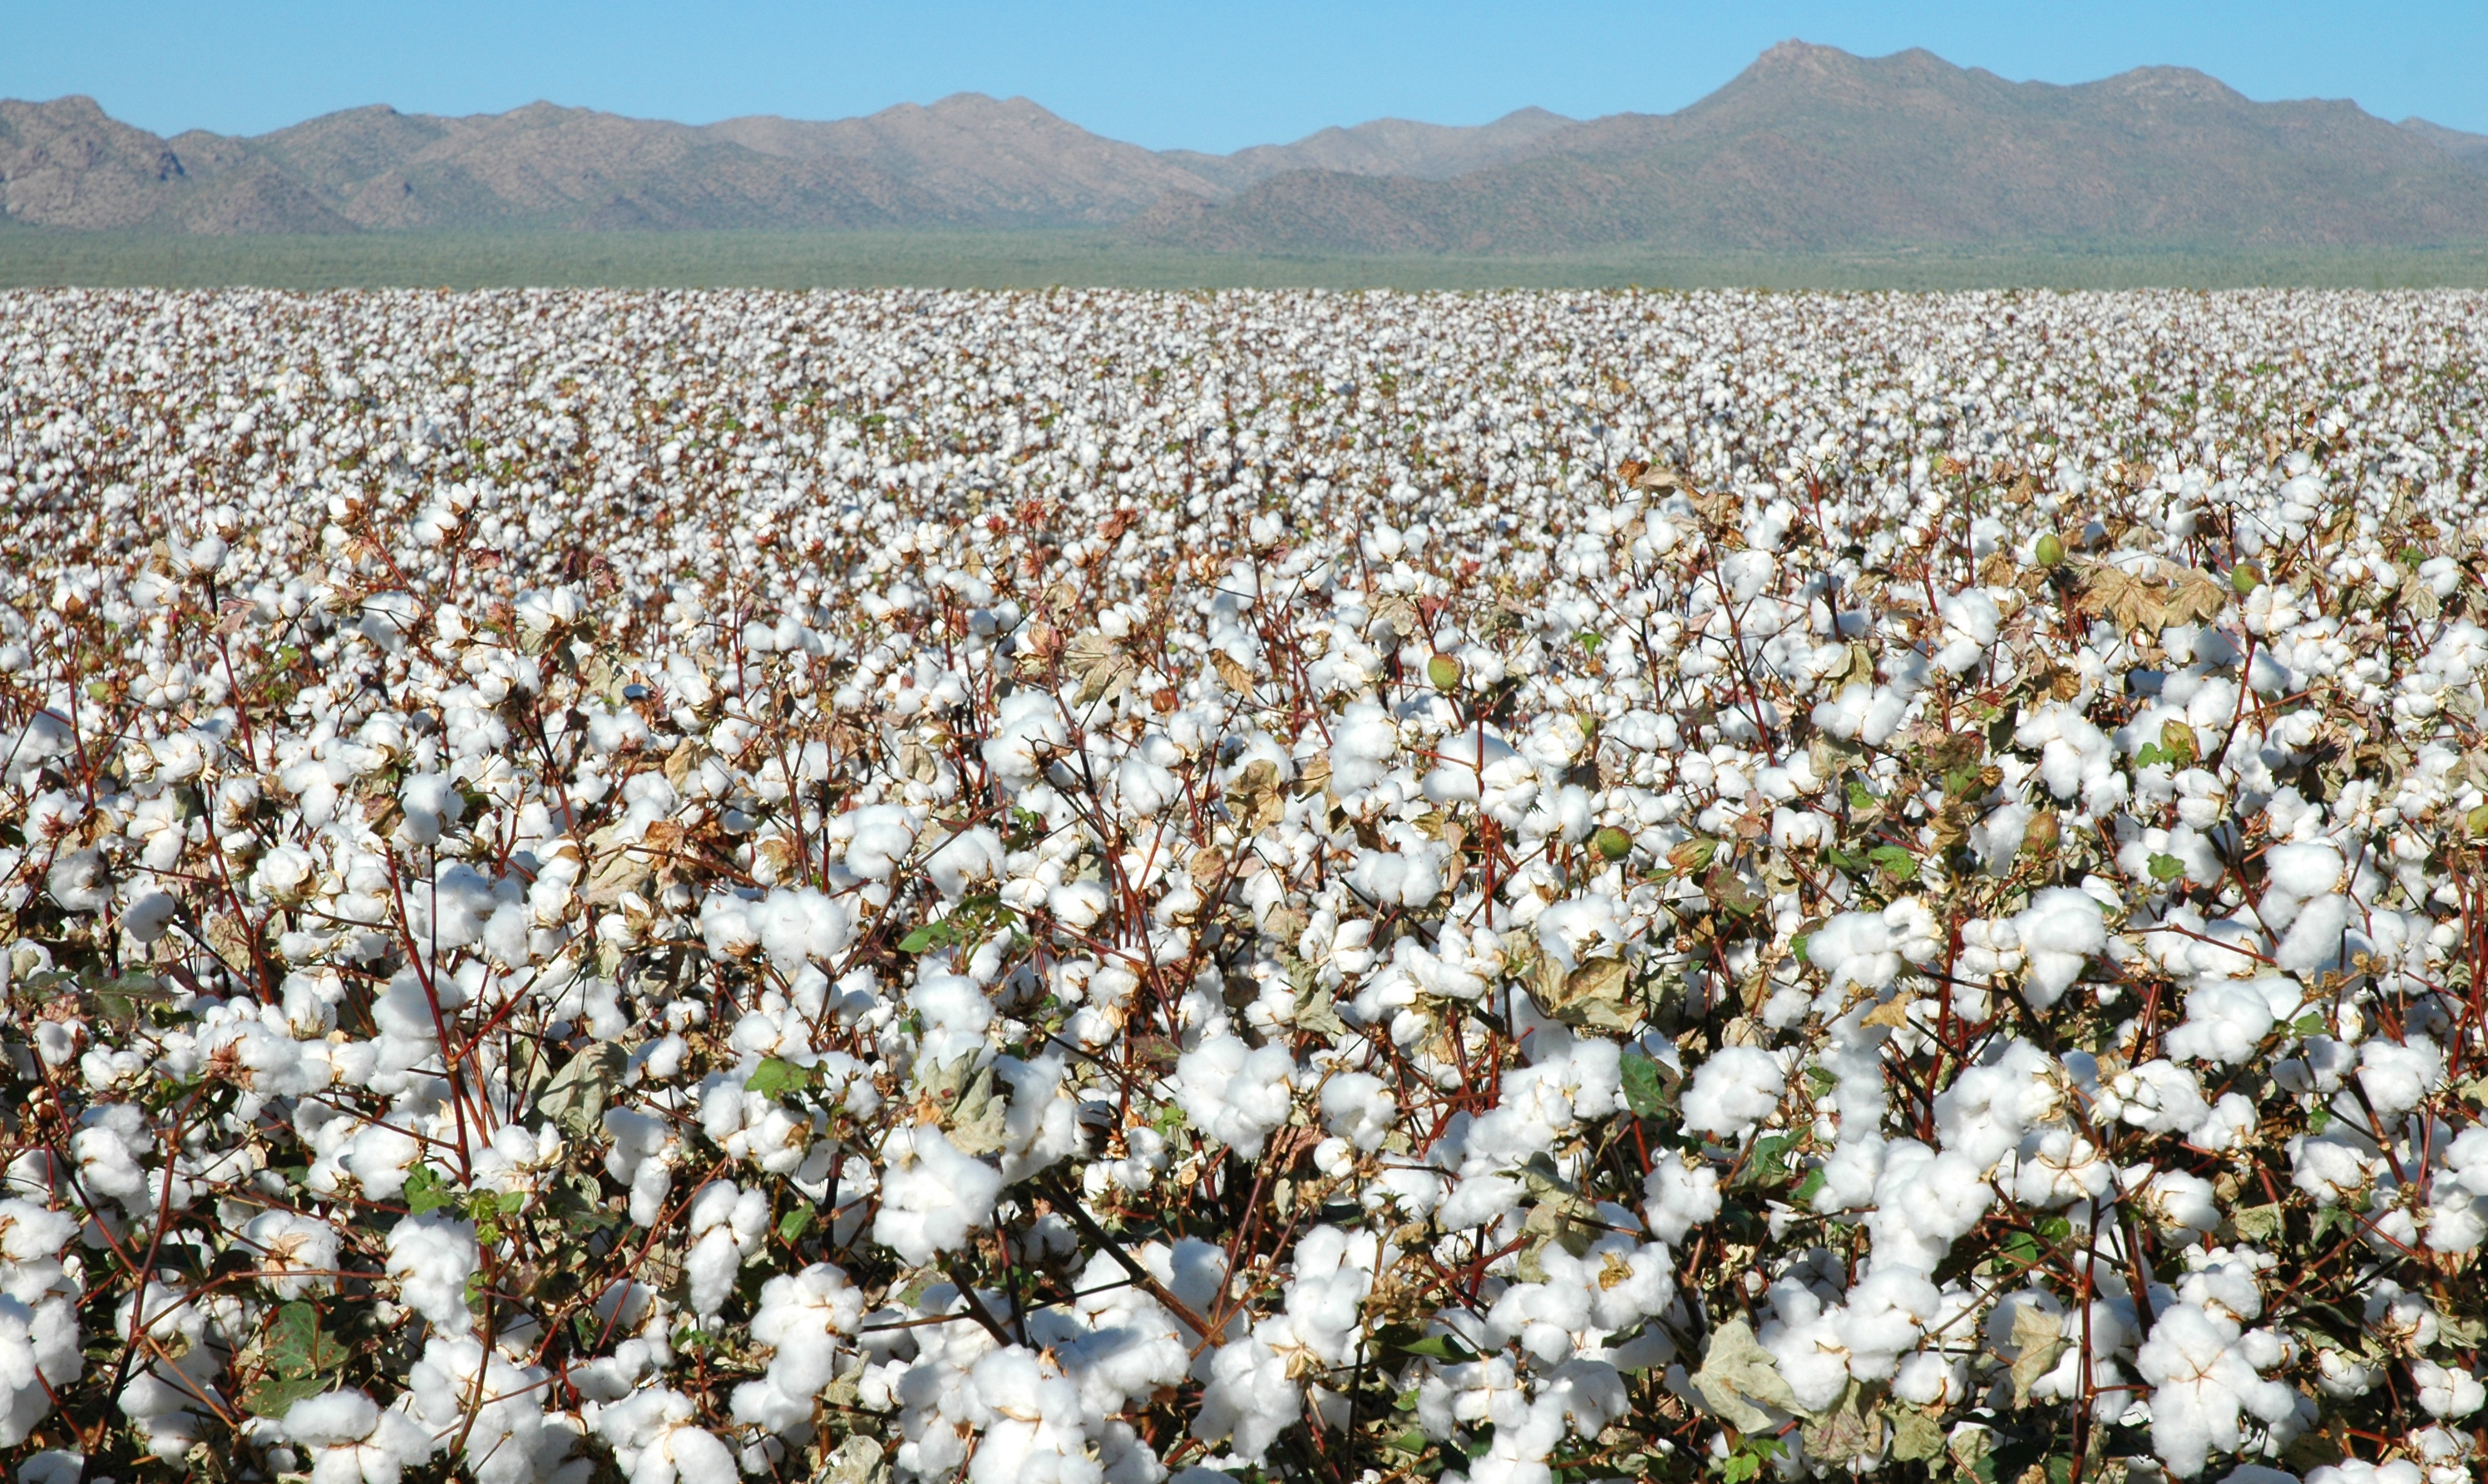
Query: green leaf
{"points": [[1439, 1347], [1796, 946], [2166, 868], [793, 1224], [427, 1190], [2019, 1247], [926, 939], [1900, 864], [2333, 1218], [776, 1077], [1858, 798], [1645, 1087], [1809, 1187], [2054, 1228], [2311, 1024], [274, 1396]]}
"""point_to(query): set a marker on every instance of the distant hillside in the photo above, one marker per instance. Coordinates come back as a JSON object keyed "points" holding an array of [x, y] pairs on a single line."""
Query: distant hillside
{"points": [[1386, 147], [1810, 149]]}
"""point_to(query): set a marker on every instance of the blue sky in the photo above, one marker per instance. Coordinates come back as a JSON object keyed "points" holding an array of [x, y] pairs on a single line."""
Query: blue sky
{"points": [[1165, 75]]}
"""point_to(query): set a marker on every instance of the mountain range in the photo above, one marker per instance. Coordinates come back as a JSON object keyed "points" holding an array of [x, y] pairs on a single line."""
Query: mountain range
{"points": [[1808, 148]]}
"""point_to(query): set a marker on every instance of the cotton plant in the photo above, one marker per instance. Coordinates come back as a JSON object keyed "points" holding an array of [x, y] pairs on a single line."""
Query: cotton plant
{"points": [[1126, 888]]}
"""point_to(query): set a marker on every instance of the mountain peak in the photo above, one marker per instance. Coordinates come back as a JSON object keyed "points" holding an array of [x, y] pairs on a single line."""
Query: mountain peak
{"points": [[1807, 149]]}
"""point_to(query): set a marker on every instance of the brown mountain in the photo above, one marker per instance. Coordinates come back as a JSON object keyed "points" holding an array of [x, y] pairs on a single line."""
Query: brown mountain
{"points": [[1811, 149], [2469, 149], [1386, 147]]}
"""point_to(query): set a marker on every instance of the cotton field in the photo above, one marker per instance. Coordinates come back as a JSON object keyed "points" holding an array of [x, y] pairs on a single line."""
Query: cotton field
{"points": [[1096, 889]]}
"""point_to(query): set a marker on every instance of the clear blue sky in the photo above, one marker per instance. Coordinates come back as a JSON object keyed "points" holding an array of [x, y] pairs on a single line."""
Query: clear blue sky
{"points": [[1165, 74]]}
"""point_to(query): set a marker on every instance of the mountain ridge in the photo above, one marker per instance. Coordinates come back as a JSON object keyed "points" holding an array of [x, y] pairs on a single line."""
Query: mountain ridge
{"points": [[1807, 148]]}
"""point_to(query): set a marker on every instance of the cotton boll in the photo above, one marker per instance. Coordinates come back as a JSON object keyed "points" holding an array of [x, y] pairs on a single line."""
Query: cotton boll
{"points": [[932, 1195], [1678, 1195], [1359, 1107], [2225, 1022], [1028, 728], [2397, 1077], [1736, 1089], [296, 1254], [1854, 948], [432, 1257], [2445, 1392], [2312, 945], [431, 803], [2057, 932], [1233, 1094], [2303, 870]]}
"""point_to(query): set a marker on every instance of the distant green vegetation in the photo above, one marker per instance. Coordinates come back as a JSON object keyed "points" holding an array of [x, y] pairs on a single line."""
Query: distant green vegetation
{"points": [[1023, 260]]}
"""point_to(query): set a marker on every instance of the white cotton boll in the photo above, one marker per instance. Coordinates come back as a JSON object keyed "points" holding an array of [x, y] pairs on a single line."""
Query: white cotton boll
{"points": [[1028, 729], [2447, 1393], [1234, 1094], [2397, 1077], [2225, 1022], [2159, 1095], [432, 1258], [803, 926], [1678, 1195], [1357, 1107], [2302, 869], [879, 837], [297, 1255], [1736, 1089], [1249, 1399], [2312, 945], [972, 858], [1854, 948], [2205, 1379], [932, 1195], [1078, 904], [1147, 789], [1463, 761], [2058, 932], [1971, 620], [1931, 1379], [431, 803], [2354, 1471], [1580, 928], [332, 1418]]}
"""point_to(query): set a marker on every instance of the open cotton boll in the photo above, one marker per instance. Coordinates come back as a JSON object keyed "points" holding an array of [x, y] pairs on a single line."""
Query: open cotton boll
{"points": [[932, 1195], [1854, 948], [1028, 729], [2058, 932], [431, 803], [2313, 943], [2354, 1471], [2302, 869], [1248, 1399], [1678, 1195], [2206, 1377], [2398, 1076], [656, 1441], [296, 1254], [432, 1257], [2225, 1022], [1236, 1094], [1736, 1089], [2447, 1393], [353, 1440], [1357, 1107]]}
